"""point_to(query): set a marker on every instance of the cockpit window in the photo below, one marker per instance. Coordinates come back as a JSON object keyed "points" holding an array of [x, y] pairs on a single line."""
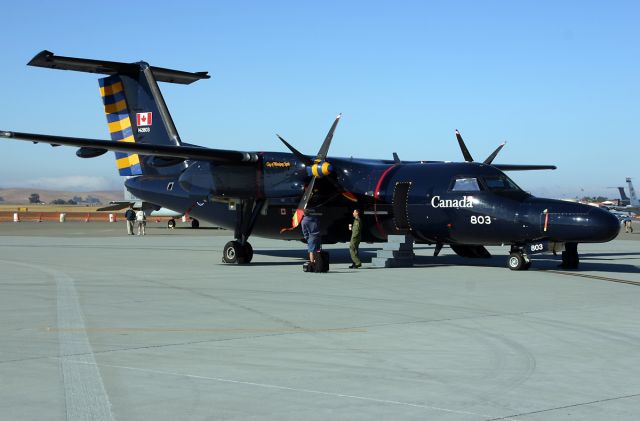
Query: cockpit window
{"points": [[465, 184], [501, 183]]}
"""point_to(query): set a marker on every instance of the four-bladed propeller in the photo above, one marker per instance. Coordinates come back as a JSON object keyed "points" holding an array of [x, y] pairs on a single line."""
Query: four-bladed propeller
{"points": [[467, 155], [501, 167], [316, 168]]}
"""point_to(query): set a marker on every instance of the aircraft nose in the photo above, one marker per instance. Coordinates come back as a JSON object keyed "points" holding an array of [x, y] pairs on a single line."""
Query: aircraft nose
{"points": [[604, 225]]}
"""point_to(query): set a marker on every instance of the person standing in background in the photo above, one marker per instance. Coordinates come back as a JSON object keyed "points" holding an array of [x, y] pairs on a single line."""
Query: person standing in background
{"points": [[141, 220], [130, 217]]}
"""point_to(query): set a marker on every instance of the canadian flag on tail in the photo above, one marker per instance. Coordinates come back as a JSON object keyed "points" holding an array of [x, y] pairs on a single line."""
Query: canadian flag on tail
{"points": [[144, 119]]}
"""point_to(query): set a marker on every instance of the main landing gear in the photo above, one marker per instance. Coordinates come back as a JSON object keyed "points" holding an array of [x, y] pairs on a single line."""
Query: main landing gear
{"points": [[239, 251], [171, 224], [236, 252], [518, 259]]}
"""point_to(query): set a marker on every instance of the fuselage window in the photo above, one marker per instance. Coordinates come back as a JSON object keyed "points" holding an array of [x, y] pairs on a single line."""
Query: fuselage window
{"points": [[170, 186], [465, 184], [500, 183]]}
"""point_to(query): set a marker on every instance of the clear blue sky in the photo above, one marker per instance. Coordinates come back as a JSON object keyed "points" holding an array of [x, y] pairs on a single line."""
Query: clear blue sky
{"points": [[559, 80]]}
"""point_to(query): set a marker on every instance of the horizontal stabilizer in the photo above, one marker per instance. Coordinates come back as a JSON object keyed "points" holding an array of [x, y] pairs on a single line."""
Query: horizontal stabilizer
{"points": [[49, 60], [114, 206], [509, 167], [170, 151]]}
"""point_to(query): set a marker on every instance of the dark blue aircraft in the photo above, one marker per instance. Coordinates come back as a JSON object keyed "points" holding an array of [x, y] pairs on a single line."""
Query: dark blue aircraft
{"points": [[465, 205]]}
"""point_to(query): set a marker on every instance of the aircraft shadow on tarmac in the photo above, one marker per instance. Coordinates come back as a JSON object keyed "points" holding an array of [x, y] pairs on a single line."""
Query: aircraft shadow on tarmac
{"points": [[338, 256], [600, 255], [540, 262]]}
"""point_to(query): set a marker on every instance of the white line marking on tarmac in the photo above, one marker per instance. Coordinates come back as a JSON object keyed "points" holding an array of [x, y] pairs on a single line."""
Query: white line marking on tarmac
{"points": [[294, 389], [85, 395]]}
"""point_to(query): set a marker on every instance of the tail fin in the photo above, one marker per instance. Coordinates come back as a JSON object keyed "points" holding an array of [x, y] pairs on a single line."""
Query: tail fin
{"points": [[633, 199], [134, 106], [623, 195], [119, 122]]}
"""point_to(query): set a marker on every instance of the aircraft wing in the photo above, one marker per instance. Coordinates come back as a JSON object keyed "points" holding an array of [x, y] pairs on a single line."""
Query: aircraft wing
{"points": [[93, 147], [509, 167], [114, 206]]}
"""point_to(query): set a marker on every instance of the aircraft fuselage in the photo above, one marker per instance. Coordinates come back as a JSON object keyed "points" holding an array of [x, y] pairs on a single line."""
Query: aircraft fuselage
{"points": [[449, 203]]}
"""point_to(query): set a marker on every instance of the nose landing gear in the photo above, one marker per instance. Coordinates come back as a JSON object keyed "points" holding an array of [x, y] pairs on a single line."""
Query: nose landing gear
{"points": [[518, 259]]}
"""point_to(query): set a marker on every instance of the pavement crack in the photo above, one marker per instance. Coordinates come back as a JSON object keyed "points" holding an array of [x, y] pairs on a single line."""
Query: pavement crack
{"points": [[565, 407]]}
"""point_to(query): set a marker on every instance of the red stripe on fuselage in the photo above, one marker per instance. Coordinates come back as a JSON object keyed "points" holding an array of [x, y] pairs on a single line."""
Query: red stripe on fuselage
{"points": [[376, 192]]}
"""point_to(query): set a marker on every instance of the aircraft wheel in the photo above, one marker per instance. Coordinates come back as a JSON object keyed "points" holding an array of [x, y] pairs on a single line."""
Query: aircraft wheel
{"points": [[171, 224], [233, 252], [570, 257], [248, 252], [516, 261], [195, 223]]}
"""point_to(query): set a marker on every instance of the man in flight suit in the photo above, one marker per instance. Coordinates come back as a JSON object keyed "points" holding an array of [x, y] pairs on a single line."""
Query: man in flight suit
{"points": [[356, 235]]}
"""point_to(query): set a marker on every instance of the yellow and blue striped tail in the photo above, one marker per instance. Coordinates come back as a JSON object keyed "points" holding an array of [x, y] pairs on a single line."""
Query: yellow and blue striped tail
{"points": [[115, 107]]}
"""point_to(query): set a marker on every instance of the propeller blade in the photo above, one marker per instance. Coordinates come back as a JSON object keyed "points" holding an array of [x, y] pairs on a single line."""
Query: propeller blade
{"points": [[463, 148], [491, 157], [299, 213], [324, 149], [307, 194], [296, 152]]}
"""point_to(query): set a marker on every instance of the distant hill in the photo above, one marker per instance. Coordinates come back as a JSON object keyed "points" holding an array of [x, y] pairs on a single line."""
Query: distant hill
{"points": [[21, 196]]}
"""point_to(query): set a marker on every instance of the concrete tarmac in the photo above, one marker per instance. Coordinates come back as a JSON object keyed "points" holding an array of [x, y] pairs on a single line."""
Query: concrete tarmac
{"points": [[99, 325]]}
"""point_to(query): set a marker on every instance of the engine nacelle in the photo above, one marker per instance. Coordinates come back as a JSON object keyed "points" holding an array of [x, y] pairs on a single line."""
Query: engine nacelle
{"points": [[205, 179]]}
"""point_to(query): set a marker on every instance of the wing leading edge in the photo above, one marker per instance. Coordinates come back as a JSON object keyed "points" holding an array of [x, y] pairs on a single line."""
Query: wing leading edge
{"points": [[95, 147], [516, 167]]}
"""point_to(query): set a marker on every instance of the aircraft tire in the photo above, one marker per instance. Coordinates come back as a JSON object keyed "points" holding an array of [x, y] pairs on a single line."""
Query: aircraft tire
{"points": [[570, 257], [516, 261], [248, 252], [195, 223], [233, 252], [171, 223]]}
